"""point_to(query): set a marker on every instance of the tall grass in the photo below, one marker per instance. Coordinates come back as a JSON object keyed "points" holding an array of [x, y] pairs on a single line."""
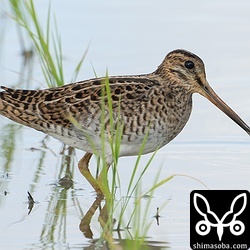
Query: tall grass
{"points": [[47, 42], [48, 47]]}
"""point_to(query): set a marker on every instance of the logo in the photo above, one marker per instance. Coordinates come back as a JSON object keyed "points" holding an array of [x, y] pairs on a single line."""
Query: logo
{"points": [[219, 219]]}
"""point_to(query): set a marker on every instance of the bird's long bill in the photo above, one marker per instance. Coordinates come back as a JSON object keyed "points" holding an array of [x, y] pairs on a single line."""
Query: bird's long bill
{"points": [[218, 102]]}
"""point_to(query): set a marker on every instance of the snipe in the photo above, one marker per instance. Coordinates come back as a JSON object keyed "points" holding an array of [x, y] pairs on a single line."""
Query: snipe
{"points": [[158, 103]]}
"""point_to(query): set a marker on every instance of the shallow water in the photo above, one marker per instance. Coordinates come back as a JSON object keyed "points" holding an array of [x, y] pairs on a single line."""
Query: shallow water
{"points": [[127, 38]]}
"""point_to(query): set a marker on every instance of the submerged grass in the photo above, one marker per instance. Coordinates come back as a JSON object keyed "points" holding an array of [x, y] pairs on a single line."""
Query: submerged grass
{"points": [[48, 48]]}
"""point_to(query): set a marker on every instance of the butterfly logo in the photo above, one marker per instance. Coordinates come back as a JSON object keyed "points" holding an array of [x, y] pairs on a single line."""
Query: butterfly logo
{"points": [[203, 227]]}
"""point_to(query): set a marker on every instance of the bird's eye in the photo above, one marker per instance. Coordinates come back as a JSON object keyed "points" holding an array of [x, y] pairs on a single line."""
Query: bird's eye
{"points": [[189, 64]]}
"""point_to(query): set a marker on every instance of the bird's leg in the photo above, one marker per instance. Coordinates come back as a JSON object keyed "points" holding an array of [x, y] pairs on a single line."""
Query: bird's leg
{"points": [[83, 166], [102, 181]]}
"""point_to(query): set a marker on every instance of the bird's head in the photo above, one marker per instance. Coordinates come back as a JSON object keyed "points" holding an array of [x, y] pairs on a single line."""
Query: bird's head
{"points": [[187, 70]]}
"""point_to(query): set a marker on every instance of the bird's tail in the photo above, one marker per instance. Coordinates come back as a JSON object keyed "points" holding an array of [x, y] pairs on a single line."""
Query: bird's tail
{"points": [[20, 106]]}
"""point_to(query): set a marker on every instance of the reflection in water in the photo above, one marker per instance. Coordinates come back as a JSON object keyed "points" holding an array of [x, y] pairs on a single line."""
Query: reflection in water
{"points": [[56, 224], [59, 202], [56, 216], [9, 134], [108, 241]]}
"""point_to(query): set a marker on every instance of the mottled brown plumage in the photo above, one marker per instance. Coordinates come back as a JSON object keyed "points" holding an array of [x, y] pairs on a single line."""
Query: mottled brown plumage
{"points": [[159, 103]]}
